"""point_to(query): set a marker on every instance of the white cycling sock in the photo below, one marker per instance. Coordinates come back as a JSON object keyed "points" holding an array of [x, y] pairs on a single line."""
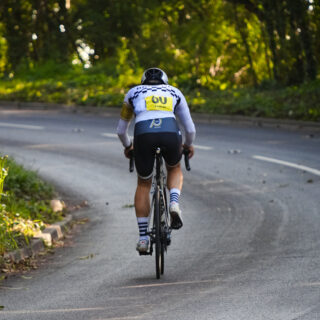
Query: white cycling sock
{"points": [[143, 227], [174, 195]]}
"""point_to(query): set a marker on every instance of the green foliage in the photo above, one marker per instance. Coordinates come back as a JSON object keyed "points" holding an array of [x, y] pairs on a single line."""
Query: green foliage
{"points": [[24, 205], [213, 44], [3, 174], [3, 51], [295, 102], [25, 184], [106, 86], [7, 240], [100, 85], [91, 53], [33, 31]]}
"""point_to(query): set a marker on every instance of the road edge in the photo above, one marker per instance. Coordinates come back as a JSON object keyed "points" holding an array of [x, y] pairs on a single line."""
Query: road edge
{"points": [[206, 118], [48, 237]]}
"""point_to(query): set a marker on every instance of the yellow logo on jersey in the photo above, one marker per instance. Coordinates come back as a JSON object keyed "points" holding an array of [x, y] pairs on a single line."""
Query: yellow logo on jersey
{"points": [[126, 112], [156, 103]]}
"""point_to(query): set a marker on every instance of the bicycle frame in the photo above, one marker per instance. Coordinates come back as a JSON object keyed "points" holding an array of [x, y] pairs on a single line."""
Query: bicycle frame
{"points": [[159, 185], [159, 229]]}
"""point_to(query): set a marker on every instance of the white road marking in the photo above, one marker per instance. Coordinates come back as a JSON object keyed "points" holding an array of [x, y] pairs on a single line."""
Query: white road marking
{"points": [[109, 135], [311, 284], [113, 135], [197, 146], [20, 126], [288, 164], [168, 284], [77, 310]]}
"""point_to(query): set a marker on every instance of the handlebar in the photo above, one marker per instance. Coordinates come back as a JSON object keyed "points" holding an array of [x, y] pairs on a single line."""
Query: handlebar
{"points": [[186, 159], [131, 161]]}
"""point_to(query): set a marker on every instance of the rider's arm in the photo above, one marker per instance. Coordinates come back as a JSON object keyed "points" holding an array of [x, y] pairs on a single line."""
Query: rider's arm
{"points": [[122, 131], [123, 125], [183, 112]]}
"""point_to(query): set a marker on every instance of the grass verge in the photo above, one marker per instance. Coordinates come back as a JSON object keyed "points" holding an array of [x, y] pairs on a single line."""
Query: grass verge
{"points": [[104, 86], [296, 102], [24, 205]]}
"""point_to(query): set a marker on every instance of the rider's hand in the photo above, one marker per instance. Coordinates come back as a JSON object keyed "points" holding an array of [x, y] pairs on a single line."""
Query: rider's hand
{"points": [[190, 149], [127, 151]]}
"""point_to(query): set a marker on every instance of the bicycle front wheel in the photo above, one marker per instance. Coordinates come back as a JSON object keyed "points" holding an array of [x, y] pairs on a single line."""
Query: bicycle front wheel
{"points": [[157, 226]]}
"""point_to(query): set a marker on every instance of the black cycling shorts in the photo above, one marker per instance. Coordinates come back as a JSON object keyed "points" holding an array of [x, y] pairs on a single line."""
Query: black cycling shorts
{"points": [[151, 134]]}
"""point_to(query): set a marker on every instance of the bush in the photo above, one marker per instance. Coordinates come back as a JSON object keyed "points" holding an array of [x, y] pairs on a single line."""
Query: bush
{"points": [[106, 84], [24, 204], [299, 103]]}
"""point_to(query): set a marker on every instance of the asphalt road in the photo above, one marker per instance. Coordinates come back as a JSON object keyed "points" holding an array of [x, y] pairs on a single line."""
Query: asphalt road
{"points": [[249, 249]]}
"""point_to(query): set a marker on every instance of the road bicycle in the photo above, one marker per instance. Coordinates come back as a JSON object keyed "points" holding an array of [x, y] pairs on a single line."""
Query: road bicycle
{"points": [[159, 229]]}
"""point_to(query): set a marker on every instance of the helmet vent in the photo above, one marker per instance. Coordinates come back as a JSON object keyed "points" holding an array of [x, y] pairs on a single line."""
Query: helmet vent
{"points": [[154, 76]]}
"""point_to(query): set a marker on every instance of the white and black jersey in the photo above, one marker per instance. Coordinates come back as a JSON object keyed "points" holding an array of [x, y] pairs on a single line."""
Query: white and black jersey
{"points": [[152, 102]]}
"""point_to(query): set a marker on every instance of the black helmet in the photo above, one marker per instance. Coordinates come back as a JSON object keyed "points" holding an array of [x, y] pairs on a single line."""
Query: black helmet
{"points": [[154, 76]]}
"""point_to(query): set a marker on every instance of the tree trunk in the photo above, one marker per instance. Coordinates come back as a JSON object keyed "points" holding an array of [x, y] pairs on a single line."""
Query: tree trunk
{"points": [[272, 41], [311, 66], [244, 36], [266, 53]]}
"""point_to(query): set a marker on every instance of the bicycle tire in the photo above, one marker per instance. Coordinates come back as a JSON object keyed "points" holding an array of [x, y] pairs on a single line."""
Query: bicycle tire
{"points": [[162, 258], [157, 227], [163, 232]]}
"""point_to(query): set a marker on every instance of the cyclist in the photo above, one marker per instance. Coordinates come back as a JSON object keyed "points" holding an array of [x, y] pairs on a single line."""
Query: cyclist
{"points": [[154, 104]]}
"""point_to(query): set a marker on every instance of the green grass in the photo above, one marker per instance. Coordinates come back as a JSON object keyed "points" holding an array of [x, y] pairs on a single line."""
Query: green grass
{"points": [[105, 86], [299, 103], [97, 86], [25, 205]]}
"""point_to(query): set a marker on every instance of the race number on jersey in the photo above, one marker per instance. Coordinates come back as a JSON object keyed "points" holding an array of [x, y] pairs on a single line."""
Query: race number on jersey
{"points": [[158, 103]]}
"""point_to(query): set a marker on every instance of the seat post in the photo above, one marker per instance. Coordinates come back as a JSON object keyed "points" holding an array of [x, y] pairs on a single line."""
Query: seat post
{"points": [[158, 157]]}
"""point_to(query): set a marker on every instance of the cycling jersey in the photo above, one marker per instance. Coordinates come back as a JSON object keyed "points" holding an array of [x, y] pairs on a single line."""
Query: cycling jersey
{"points": [[148, 102]]}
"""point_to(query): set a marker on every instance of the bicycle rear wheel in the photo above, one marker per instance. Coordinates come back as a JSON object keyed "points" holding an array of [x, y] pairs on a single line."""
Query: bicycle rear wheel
{"points": [[163, 229], [157, 226], [162, 258]]}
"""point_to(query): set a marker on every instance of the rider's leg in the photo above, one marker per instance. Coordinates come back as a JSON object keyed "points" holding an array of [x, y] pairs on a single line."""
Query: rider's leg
{"points": [[142, 206], [142, 199], [174, 182], [175, 177]]}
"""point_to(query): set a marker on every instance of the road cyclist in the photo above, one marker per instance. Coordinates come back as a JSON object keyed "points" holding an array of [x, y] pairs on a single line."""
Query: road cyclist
{"points": [[155, 104]]}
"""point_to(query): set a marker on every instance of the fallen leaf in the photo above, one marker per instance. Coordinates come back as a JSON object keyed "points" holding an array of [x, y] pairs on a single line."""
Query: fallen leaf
{"points": [[310, 181], [51, 251], [82, 221], [128, 206], [84, 203], [26, 278], [90, 256], [1, 307], [13, 288]]}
